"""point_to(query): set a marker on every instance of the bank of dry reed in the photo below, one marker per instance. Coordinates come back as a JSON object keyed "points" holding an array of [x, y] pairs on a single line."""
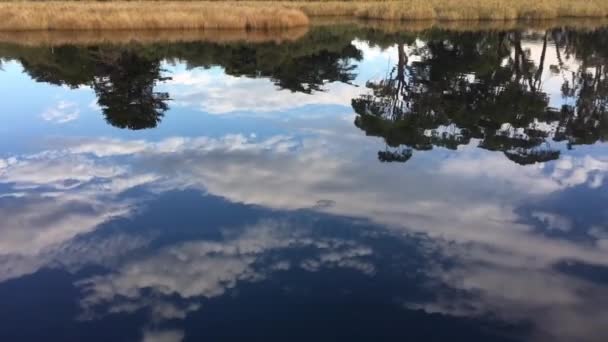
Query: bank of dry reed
{"points": [[96, 37], [230, 14], [392, 26], [122, 15], [450, 10]]}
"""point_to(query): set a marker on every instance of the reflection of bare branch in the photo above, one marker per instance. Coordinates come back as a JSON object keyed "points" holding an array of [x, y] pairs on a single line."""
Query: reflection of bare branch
{"points": [[541, 64]]}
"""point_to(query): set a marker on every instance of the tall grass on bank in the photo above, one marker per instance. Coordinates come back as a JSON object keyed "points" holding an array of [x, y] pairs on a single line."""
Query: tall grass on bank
{"points": [[119, 37], [263, 14], [96, 37], [449, 10], [393, 26], [122, 15]]}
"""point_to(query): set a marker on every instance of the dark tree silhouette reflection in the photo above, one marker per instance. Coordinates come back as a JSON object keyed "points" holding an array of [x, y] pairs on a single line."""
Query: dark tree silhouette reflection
{"points": [[124, 77], [486, 86], [461, 87], [124, 84]]}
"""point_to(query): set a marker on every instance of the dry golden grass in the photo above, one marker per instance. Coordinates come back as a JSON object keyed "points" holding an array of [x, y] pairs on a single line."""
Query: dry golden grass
{"points": [[122, 15], [96, 37], [449, 10], [230, 14], [390, 26]]}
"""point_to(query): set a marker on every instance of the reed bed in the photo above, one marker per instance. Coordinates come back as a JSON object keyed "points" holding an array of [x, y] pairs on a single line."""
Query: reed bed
{"points": [[265, 15], [453, 10], [97, 37], [391, 26], [122, 15]]}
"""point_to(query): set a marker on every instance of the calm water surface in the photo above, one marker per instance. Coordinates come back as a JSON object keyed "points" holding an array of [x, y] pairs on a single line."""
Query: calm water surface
{"points": [[348, 184]]}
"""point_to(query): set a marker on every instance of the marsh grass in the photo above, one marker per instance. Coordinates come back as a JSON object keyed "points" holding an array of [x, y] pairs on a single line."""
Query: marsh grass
{"points": [[122, 15], [451, 10], [58, 38], [96, 37], [265, 15], [389, 26]]}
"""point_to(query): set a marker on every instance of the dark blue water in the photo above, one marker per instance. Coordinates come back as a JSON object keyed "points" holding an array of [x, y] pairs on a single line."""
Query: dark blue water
{"points": [[350, 184]]}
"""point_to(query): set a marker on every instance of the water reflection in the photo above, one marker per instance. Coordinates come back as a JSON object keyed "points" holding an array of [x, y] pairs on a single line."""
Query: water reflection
{"points": [[487, 87], [124, 76], [248, 230], [445, 89]]}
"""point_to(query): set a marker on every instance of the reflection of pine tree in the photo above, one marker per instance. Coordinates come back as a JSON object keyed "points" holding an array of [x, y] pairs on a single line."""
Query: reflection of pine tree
{"points": [[124, 84], [400, 156], [482, 86], [460, 86], [124, 76]]}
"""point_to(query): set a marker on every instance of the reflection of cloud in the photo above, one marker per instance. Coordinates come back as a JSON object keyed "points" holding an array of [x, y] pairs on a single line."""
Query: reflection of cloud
{"points": [[71, 254], [534, 179], [313, 172], [217, 93], [54, 169], [163, 336], [60, 196], [344, 259], [62, 112], [30, 225], [469, 198], [562, 308], [601, 234], [553, 221], [209, 268]]}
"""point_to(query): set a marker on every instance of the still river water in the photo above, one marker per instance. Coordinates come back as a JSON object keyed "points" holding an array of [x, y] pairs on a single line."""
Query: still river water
{"points": [[347, 183]]}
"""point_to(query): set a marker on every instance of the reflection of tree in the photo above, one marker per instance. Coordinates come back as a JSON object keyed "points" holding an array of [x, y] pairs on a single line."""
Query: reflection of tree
{"points": [[124, 85], [305, 65], [585, 114], [65, 65], [124, 76], [123, 79], [482, 86], [460, 87]]}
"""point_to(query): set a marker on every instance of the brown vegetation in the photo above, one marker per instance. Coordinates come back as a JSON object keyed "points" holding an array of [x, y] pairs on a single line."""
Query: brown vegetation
{"points": [[58, 38], [230, 14], [456, 9], [122, 15], [393, 26]]}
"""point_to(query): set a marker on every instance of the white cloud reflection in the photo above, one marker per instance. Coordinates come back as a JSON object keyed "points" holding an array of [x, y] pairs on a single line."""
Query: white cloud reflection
{"points": [[217, 93], [204, 268], [466, 202], [163, 335], [62, 112], [468, 199]]}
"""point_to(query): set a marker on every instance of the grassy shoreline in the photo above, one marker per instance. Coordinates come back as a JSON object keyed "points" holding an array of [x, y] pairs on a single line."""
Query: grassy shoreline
{"points": [[268, 15], [281, 36], [456, 10], [127, 15]]}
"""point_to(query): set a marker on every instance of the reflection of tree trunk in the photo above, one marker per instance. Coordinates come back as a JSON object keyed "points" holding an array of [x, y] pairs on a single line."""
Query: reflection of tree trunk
{"points": [[501, 43], [517, 56], [557, 50], [541, 65], [522, 66], [401, 63], [598, 77], [402, 60]]}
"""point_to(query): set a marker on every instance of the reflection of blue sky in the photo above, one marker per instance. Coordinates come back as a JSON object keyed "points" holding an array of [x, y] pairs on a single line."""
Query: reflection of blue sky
{"points": [[204, 101], [81, 184], [376, 62], [243, 141]]}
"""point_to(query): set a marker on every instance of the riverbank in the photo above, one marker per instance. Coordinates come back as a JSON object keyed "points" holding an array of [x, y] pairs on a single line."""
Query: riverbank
{"points": [[149, 15], [264, 15], [455, 10]]}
